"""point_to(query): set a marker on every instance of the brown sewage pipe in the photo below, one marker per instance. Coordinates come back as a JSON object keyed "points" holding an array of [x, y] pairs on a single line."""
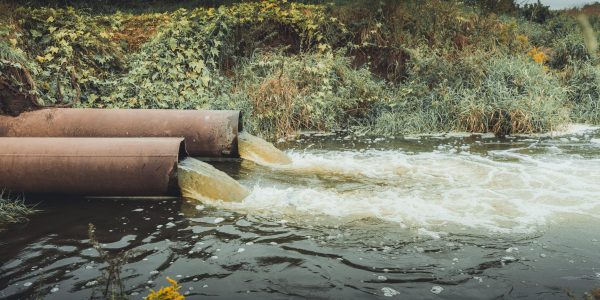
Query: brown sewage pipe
{"points": [[91, 166], [207, 133]]}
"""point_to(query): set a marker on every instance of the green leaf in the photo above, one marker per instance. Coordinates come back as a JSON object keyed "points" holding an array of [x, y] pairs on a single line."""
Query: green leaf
{"points": [[172, 44], [35, 33], [205, 80]]}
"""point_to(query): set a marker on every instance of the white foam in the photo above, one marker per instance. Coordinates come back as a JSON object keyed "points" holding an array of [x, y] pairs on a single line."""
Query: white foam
{"points": [[573, 129], [437, 191]]}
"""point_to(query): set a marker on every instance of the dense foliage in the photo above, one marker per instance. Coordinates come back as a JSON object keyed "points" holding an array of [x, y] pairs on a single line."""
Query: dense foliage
{"points": [[384, 67]]}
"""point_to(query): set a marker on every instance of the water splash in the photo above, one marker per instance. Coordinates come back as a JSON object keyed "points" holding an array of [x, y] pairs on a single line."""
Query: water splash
{"points": [[260, 151], [505, 192], [201, 181]]}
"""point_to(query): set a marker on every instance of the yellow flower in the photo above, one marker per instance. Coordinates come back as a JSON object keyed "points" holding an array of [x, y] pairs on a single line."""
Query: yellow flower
{"points": [[166, 293], [538, 55]]}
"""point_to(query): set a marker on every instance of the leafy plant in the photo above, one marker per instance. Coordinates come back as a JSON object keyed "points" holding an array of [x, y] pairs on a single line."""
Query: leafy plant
{"points": [[74, 52]]}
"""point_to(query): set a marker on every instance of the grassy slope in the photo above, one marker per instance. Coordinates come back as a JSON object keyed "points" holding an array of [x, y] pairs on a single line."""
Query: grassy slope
{"points": [[390, 68]]}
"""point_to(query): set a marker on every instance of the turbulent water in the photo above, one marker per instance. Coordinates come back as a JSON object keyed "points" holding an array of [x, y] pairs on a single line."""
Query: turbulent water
{"points": [[453, 187], [201, 181], [255, 149], [423, 217]]}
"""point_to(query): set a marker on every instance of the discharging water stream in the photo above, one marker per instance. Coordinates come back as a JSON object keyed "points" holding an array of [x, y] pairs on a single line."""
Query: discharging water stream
{"points": [[427, 217]]}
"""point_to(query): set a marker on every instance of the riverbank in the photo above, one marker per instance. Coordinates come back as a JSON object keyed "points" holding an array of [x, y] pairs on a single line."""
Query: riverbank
{"points": [[393, 68]]}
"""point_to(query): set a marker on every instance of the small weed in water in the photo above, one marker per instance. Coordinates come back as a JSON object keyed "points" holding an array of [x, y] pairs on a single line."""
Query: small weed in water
{"points": [[111, 275], [13, 209]]}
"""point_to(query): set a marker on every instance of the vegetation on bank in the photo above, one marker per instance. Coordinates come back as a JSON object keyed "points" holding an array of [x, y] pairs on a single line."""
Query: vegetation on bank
{"points": [[13, 210], [386, 67]]}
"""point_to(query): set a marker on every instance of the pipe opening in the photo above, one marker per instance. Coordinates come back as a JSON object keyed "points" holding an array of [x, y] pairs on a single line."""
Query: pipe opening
{"points": [[183, 153], [235, 153], [240, 122]]}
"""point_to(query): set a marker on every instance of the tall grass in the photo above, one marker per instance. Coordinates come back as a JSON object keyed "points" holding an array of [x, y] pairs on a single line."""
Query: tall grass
{"points": [[477, 93], [13, 209], [583, 82], [283, 94]]}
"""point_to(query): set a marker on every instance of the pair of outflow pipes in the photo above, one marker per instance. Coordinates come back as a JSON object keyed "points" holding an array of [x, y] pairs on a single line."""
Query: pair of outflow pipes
{"points": [[109, 152]]}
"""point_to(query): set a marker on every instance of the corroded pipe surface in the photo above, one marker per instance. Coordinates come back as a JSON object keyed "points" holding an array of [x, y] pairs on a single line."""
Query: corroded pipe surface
{"points": [[207, 133], [91, 166]]}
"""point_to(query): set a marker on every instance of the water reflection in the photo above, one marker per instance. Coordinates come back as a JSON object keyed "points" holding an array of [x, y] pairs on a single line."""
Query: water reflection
{"points": [[261, 253]]}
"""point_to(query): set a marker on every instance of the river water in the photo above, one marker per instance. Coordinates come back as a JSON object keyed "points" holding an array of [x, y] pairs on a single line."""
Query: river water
{"points": [[429, 217]]}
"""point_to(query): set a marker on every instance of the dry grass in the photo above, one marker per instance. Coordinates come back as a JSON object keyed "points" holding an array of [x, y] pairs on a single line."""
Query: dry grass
{"points": [[274, 99], [499, 122], [474, 120], [138, 29], [6, 10], [590, 10]]}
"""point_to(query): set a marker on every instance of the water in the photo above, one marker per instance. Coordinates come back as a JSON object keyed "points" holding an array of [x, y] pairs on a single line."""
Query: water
{"points": [[440, 216], [201, 181], [260, 151]]}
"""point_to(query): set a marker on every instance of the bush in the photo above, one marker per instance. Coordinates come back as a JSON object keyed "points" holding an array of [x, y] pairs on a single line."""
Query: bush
{"points": [[284, 94], [568, 50], [182, 66], [74, 52], [583, 84], [536, 12], [502, 95], [18, 91]]}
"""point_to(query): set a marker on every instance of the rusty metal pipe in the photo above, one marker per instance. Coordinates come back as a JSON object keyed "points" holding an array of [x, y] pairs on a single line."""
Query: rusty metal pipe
{"points": [[207, 133], [91, 166]]}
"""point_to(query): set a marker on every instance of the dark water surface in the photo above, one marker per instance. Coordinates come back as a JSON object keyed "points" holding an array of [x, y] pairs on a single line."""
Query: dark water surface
{"points": [[355, 218]]}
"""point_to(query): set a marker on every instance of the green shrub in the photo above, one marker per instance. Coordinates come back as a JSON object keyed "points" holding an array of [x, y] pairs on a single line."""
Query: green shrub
{"points": [[583, 84], [183, 66], [73, 49], [18, 91], [502, 95], [568, 50], [283, 94], [536, 12]]}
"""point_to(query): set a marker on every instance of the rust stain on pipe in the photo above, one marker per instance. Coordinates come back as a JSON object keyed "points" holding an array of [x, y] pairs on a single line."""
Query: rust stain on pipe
{"points": [[207, 133], [91, 166]]}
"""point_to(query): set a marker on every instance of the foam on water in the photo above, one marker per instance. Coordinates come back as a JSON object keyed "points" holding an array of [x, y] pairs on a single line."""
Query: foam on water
{"points": [[436, 191], [571, 129]]}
